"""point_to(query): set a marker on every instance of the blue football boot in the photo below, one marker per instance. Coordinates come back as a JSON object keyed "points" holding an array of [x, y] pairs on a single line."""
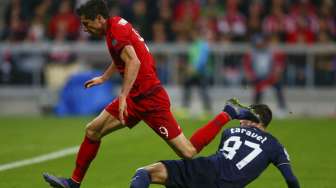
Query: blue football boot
{"points": [[57, 182], [236, 110]]}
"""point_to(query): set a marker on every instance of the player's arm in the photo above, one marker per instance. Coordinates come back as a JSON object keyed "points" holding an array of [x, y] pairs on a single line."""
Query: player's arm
{"points": [[289, 176], [282, 162], [109, 71], [132, 66], [101, 79]]}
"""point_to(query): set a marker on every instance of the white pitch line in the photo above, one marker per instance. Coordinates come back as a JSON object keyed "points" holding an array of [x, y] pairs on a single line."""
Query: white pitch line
{"points": [[39, 159]]}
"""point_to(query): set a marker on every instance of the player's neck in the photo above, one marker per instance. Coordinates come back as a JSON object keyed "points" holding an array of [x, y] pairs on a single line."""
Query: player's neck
{"points": [[260, 127]]}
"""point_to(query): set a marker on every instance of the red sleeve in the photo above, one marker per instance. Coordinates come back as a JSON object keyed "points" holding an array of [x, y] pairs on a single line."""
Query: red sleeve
{"points": [[121, 34]]}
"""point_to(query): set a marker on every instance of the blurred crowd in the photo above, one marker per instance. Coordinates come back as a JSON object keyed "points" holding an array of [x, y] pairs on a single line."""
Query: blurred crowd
{"points": [[287, 21], [197, 23]]}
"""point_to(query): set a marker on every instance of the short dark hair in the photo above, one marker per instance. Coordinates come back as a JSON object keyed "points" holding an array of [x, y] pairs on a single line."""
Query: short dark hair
{"points": [[264, 112], [92, 9]]}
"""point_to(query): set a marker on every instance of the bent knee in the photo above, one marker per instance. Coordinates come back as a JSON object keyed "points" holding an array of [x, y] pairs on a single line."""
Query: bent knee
{"points": [[92, 131]]}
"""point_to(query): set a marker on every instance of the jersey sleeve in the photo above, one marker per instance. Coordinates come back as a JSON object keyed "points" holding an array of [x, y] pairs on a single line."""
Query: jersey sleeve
{"points": [[121, 34], [287, 173], [280, 156]]}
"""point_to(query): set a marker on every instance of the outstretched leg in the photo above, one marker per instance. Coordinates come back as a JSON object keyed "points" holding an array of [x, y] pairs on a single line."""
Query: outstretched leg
{"points": [[99, 127], [203, 136], [187, 149]]}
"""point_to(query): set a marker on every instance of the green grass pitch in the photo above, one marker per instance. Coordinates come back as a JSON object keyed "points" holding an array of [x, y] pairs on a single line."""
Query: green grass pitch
{"points": [[310, 143]]}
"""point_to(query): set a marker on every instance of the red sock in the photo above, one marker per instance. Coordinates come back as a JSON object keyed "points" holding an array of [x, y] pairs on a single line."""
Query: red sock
{"points": [[86, 154], [208, 132]]}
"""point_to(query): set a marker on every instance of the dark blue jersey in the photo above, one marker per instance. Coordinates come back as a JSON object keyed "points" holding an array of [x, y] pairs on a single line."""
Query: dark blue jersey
{"points": [[244, 153]]}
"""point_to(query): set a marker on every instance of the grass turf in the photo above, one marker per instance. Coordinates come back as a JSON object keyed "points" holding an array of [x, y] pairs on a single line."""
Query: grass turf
{"points": [[310, 143]]}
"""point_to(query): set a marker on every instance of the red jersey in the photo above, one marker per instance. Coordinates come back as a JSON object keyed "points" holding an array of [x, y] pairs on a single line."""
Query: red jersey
{"points": [[121, 33]]}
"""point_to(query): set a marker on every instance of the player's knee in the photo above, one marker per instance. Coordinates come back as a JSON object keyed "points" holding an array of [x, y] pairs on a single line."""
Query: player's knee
{"points": [[92, 132]]}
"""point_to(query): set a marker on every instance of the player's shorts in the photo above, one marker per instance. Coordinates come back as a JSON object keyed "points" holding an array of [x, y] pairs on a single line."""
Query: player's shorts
{"points": [[153, 108], [195, 173]]}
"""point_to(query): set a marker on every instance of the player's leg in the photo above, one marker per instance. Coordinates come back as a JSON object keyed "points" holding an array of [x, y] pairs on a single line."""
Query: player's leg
{"points": [[189, 148], [152, 174], [102, 125], [203, 136], [195, 173], [165, 125], [182, 146]]}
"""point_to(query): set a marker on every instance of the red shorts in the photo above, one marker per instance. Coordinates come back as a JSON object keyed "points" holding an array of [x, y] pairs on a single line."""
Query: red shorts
{"points": [[153, 109]]}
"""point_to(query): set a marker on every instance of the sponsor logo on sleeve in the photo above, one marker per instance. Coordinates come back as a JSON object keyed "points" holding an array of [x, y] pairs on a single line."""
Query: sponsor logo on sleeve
{"points": [[164, 131]]}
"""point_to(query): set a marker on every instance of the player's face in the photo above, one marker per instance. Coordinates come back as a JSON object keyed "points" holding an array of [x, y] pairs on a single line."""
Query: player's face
{"points": [[94, 27]]}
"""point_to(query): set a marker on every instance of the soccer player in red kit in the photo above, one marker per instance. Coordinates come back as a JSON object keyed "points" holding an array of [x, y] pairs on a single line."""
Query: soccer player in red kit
{"points": [[142, 97]]}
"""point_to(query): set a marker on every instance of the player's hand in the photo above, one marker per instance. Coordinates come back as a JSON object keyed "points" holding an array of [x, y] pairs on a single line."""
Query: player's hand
{"points": [[122, 109], [94, 81]]}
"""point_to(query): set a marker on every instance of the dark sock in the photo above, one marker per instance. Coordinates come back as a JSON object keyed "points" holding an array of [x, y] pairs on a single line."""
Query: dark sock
{"points": [[141, 179], [73, 184]]}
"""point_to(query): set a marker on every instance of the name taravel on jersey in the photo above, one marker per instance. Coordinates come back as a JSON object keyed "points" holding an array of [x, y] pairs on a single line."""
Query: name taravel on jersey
{"points": [[251, 134]]}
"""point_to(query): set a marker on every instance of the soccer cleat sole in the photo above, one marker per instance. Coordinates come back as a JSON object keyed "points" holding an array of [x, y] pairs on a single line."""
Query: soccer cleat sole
{"points": [[235, 102], [52, 181]]}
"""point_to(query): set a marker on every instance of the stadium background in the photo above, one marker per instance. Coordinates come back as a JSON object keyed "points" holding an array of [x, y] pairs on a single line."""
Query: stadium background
{"points": [[42, 46]]}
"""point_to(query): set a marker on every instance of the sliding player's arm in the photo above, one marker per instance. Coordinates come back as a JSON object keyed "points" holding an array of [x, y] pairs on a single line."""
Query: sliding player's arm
{"points": [[282, 162], [101, 79], [289, 176], [132, 66]]}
